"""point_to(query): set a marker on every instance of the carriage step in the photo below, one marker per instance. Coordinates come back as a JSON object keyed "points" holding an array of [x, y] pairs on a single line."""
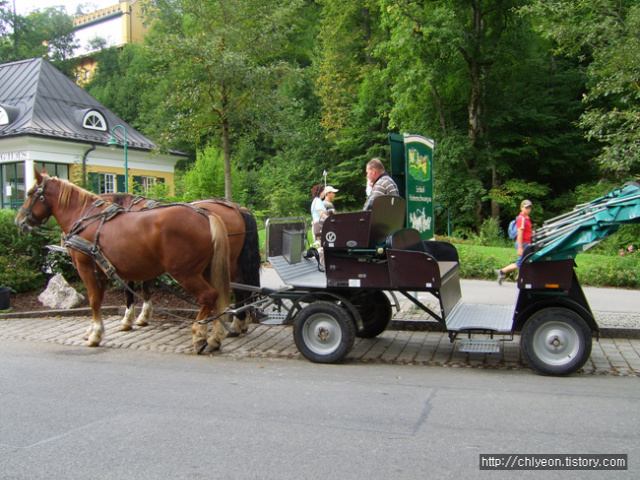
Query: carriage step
{"points": [[274, 318], [478, 345]]}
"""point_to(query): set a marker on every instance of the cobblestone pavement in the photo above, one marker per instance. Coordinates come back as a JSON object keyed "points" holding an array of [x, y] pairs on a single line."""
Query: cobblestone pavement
{"points": [[611, 356]]}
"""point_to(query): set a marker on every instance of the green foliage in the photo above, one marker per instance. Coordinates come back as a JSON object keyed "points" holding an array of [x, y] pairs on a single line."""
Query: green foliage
{"points": [[23, 258], [605, 35], [17, 273], [480, 262], [490, 233], [287, 89], [206, 178], [42, 33], [220, 67]]}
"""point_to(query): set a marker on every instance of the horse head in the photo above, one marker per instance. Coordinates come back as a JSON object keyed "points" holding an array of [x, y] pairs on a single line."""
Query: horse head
{"points": [[35, 210]]}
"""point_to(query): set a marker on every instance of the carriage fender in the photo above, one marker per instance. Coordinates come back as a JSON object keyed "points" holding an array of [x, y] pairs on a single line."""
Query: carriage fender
{"points": [[535, 305]]}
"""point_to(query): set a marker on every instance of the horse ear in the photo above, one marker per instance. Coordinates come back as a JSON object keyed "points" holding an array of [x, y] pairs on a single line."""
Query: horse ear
{"points": [[38, 176], [44, 171]]}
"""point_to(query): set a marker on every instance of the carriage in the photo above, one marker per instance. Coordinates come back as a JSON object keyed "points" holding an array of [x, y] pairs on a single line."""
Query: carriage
{"points": [[366, 254]]}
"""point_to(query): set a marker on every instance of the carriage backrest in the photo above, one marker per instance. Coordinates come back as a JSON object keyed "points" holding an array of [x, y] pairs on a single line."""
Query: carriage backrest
{"points": [[387, 215], [405, 239], [410, 239], [364, 229]]}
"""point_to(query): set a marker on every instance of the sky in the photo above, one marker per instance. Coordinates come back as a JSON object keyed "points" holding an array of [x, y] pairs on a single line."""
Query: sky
{"points": [[24, 7]]}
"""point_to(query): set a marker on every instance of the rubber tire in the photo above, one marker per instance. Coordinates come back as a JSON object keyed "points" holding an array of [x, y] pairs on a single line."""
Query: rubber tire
{"points": [[552, 324], [324, 318], [376, 313]]}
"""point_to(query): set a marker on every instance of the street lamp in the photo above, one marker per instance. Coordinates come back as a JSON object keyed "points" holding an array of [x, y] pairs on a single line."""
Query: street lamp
{"points": [[112, 143]]}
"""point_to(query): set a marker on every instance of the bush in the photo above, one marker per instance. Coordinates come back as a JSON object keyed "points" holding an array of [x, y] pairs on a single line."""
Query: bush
{"points": [[16, 272], [23, 258], [622, 271]]}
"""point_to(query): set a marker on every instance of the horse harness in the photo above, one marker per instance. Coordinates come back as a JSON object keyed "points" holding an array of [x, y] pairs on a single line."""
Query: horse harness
{"points": [[75, 241]]}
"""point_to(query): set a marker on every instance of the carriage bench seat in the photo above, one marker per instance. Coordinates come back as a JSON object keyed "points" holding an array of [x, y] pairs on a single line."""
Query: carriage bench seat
{"points": [[408, 239], [425, 265]]}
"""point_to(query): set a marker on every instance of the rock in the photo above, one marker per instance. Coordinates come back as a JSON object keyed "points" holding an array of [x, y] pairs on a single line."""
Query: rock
{"points": [[60, 295]]}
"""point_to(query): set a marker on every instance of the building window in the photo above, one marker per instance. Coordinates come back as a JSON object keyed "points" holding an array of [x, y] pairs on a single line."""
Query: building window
{"points": [[94, 121], [54, 169], [147, 183], [107, 183], [4, 117]]}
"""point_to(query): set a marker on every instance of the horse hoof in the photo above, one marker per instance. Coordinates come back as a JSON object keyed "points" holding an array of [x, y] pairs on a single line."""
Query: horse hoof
{"points": [[233, 334], [211, 349], [142, 324], [199, 346], [93, 344], [125, 328]]}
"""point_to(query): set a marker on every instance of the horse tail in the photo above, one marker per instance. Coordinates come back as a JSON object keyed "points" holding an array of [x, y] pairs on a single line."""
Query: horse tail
{"points": [[220, 272], [249, 260]]}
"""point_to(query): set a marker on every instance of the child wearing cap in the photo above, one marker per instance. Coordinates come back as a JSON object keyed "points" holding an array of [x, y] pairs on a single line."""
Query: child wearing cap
{"points": [[329, 194]]}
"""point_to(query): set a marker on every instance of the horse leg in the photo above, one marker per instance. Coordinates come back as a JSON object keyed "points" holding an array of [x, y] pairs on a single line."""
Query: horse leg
{"points": [[207, 297], [95, 333], [127, 321], [147, 306], [240, 323], [201, 344], [95, 290]]}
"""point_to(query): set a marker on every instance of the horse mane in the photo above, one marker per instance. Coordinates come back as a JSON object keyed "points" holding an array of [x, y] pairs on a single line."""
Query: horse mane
{"points": [[122, 199], [67, 189]]}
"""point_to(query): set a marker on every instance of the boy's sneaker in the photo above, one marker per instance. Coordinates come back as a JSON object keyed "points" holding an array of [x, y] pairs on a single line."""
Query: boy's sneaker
{"points": [[501, 276]]}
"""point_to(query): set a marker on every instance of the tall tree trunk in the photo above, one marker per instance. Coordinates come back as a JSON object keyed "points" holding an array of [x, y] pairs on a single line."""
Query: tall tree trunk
{"points": [[226, 152], [226, 145], [436, 95]]}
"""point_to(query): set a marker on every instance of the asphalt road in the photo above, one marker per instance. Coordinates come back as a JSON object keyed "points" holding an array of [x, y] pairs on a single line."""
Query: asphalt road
{"points": [[78, 413]]}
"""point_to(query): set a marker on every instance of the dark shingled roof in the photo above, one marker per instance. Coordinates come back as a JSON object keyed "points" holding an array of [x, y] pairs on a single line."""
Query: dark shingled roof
{"points": [[40, 100]]}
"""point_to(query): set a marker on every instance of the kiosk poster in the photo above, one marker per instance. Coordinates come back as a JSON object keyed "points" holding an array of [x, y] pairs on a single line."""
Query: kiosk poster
{"points": [[419, 184]]}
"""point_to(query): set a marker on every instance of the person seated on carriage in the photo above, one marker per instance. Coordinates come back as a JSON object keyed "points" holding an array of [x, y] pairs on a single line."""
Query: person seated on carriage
{"points": [[318, 211], [380, 181], [329, 194]]}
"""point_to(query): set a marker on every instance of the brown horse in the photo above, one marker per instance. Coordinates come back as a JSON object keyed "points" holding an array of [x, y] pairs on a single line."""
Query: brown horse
{"points": [[189, 244], [244, 253]]}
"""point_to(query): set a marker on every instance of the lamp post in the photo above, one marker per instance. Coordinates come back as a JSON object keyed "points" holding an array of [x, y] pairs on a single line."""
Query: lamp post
{"points": [[112, 144]]}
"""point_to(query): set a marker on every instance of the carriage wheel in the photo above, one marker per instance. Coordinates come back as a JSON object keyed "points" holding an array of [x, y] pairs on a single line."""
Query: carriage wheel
{"points": [[324, 332], [376, 313], [556, 341]]}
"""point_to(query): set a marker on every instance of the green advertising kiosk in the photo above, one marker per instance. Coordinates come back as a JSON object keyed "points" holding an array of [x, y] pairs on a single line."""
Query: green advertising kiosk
{"points": [[412, 170]]}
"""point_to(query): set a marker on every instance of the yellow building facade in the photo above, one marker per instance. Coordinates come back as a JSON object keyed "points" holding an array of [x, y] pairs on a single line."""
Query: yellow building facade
{"points": [[113, 26]]}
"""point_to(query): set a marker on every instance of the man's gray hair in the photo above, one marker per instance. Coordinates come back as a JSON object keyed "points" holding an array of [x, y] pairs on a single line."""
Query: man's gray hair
{"points": [[376, 164]]}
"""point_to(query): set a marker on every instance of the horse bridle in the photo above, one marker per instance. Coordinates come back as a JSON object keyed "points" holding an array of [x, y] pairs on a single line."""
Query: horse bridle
{"points": [[38, 194]]}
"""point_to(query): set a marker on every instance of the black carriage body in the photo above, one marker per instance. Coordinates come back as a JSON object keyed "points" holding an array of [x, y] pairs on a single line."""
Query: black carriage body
{"points": [[368, 252]]}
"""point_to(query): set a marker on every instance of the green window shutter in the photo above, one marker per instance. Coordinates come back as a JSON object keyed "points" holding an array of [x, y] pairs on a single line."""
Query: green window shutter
{"points": [[137, 184], [120, 183], [94, 182]]}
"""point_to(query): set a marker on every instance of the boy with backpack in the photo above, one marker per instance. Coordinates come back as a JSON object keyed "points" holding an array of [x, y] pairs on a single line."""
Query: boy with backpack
{"points": [[523, 234]]}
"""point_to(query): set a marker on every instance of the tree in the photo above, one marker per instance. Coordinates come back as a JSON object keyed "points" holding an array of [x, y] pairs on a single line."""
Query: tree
{"points": [[47, 32], [354, 92], [604, 35], [475, 77], [220, 62]]}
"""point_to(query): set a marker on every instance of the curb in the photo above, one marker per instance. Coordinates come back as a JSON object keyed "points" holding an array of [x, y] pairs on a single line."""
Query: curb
{"points": [[395, 324]]}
